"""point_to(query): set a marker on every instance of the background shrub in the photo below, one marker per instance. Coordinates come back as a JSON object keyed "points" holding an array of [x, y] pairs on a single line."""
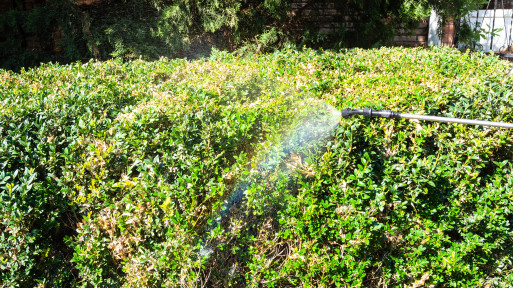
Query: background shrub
{"points": [[62, 31]]}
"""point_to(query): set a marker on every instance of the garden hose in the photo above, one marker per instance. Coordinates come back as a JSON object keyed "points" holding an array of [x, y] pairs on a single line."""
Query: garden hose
{"points": [[367, 112]]}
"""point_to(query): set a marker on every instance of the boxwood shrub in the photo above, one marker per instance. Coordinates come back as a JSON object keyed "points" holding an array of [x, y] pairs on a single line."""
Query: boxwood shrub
{"points": [[116, 173]]}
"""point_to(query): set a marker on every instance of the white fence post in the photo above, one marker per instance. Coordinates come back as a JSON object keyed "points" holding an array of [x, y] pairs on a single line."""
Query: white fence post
{"points": [[433, 38]]}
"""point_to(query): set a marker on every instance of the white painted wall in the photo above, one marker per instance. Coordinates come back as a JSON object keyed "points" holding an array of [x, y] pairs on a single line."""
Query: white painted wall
{"points": [[433, 38], [484, 19]]}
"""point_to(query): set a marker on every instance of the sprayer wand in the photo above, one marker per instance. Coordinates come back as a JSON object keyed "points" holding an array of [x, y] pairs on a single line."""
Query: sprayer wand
{"points": [[367, 112]]}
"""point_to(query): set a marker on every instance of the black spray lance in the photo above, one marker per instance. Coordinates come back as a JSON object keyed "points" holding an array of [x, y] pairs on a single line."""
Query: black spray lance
{"points": [[367, 112]]}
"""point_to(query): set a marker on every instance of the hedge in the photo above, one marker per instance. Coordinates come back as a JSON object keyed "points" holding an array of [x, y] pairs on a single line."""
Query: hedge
{"points": [[122, 173]]}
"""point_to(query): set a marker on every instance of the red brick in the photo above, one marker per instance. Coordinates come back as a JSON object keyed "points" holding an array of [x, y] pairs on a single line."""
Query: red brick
{"points": [[422, 38], [87, 2], [423, 25], [405, 38]]}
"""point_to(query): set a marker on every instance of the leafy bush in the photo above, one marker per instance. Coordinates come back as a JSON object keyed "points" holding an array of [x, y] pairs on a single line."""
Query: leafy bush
{"points": [[136, 29], [61, 30], [114, 173]]}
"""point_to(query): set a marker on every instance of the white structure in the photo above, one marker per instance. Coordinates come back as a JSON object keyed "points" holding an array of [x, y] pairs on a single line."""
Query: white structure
{"points": [[495, 26], [433, 38]]}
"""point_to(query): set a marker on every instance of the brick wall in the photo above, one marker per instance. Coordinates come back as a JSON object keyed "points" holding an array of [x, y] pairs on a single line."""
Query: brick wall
{"points": [[322, 16], [417, 37], [449, 34], [6, 5], [30, 40], [326, 17], [87, 2]]}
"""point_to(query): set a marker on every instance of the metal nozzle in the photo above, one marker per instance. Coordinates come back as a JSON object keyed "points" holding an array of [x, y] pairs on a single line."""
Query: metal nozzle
{"points": [[348, 112], [367, 112]]}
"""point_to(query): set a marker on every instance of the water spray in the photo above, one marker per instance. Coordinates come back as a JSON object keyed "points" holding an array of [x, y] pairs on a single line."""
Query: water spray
{"points": [[318, 121], [367, 112]]}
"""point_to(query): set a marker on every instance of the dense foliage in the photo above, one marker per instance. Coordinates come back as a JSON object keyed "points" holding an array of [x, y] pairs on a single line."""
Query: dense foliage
{"points": [[111, 172], [61, 30]]}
